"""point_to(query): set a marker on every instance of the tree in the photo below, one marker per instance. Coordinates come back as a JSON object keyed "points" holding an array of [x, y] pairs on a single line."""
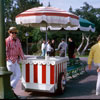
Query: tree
{"points": [[78, 49], [89, 13], [8, 9], [49, 5], [93, 15], [13, 8], [70, 9]]}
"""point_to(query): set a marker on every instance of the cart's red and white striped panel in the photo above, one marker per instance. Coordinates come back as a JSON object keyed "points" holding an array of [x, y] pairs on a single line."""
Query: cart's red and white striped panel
{"points": [[43, 75]]}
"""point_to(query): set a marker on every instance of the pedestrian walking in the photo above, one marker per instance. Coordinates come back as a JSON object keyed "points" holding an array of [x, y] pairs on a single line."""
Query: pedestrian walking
{"points": [[94, 55], [71, 48], [49, 48], [43, 48], [53, 48], [62, 48], [13, 54]]}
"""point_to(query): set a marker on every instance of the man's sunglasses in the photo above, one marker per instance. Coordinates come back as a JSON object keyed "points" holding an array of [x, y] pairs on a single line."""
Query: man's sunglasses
{"points": [[14, 32]]}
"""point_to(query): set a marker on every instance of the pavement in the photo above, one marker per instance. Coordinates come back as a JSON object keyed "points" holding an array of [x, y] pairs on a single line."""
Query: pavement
{"points": [[80, 87]]}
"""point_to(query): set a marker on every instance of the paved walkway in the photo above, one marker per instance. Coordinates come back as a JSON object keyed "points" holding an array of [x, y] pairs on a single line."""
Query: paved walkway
{"points": [[81, 87]]}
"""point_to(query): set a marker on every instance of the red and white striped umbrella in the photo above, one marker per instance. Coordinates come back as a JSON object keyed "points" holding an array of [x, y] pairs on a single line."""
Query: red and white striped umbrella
{"points": [[47, 16]]}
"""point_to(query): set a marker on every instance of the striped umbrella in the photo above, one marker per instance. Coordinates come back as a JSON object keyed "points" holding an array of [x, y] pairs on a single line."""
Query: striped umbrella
{"points": [[47, 16], [37, 17], [84, 25]]}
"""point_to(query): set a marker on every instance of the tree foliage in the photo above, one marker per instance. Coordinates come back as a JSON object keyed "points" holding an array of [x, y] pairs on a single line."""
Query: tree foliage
{"points": [[93, 15], [90, 13], [14, 7]]}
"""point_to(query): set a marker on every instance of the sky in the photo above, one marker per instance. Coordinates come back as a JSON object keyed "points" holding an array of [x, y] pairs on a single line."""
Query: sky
{"points": [[75, 4]]}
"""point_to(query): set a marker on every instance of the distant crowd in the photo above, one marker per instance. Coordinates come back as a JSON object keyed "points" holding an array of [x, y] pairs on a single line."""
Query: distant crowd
{"points": [[62, 48]]}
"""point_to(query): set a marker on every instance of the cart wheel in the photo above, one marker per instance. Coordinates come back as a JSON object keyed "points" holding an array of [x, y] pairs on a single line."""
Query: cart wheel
{"points": [[61, 83]]}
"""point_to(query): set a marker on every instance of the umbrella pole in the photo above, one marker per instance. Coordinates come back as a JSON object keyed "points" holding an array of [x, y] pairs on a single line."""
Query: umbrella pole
{"points": [[46, 43], [66, 48]]}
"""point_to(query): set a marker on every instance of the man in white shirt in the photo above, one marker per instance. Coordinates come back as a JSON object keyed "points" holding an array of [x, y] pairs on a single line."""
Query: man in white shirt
{"points": [[43, 48], [49, 48]]}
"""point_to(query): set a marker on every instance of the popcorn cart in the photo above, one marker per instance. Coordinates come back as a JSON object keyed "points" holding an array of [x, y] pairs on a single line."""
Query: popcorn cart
{"points": [[46, 75]]}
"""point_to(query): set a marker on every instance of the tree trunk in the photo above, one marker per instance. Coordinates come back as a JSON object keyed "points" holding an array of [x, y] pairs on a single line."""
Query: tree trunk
{"points": [[78, 50], [87, 38]]}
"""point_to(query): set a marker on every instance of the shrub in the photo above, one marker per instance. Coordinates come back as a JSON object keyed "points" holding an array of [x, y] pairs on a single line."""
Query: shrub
{"points": [[32, 48]]}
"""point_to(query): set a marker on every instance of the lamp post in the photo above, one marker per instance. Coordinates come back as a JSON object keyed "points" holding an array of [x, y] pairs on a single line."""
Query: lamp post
{"points": [[5, 89], [26, 34]]}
